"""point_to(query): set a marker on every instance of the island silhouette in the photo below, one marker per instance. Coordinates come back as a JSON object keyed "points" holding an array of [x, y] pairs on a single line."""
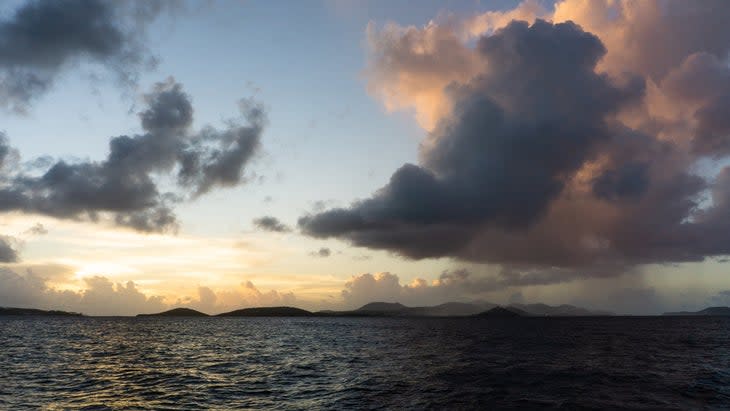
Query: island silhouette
{"points": [[385, 309], [36, 312], [388, 309], [503, 312], [709, 311], [177, 312], [268, 312]]}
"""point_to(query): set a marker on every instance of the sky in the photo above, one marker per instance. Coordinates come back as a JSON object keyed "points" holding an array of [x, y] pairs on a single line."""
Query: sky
{"points": [[325, 154]]}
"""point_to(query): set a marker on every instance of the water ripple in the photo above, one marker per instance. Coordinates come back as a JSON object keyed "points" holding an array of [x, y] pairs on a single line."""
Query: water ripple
{"points": [[364, 363]]}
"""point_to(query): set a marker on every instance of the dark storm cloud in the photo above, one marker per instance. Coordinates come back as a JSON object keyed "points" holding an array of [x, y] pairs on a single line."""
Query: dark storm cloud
{"points": [[546, 163], [124, 184], [628, 182], [514, 134], [703, 80], [44, 37], [216, 158], [268, 223]]}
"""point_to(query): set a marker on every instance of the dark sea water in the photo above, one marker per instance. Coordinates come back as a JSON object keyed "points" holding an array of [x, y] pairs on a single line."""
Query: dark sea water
{"points": [[365, 363]]}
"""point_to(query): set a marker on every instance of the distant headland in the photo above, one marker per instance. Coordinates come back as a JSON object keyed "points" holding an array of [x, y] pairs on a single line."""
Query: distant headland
{"points": [[36, 312], [244, 312], [503, 312], [387, 309], [177, 312], [268, 312], [707, 312]]}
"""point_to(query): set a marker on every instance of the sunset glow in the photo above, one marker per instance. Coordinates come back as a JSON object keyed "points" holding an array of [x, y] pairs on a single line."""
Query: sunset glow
{"points": [[343, 163]]}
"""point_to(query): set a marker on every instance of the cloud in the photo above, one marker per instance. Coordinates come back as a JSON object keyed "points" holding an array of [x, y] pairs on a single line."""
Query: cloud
{"points": [[489, 21], [124, 186], [247, 295], [37, 229], [626, 294], [410, 67], [631, 31], [702, 84], [364, 288], [455, 285], [323, 252], [44, 38], [268, 223], [99, 297], [103, 297], [642, 300], [508, 128], [722, 298], [8, 253], [554, 147]]}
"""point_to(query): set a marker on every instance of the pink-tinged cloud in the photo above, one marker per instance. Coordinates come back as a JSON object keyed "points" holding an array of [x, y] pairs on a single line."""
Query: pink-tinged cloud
{"points": [[571, 142]]}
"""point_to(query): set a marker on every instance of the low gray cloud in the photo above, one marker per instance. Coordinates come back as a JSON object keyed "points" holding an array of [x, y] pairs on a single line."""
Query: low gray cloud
{"points": [[626, 294], [8, 252], [323, 252], [269, 223], [124, 185], [722, 298], [37, 229], [453, 285], [43, 38], [246, 295]]}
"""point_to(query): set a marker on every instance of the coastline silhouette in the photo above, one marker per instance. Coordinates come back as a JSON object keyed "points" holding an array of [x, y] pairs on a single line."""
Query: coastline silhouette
{"points": [[384, 309]]}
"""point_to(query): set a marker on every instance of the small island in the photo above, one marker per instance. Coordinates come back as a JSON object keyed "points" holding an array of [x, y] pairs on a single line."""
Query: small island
{"points": [[383, 309], [268, 312], [502, 312], [177, 312]]}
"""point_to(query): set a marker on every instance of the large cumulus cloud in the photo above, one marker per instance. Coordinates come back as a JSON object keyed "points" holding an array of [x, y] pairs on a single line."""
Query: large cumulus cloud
{"points": [[125, 187], [514, 136], [554, 144], [384, 286], [98, 295], [454, 285], [245, 295], [42, 38]]}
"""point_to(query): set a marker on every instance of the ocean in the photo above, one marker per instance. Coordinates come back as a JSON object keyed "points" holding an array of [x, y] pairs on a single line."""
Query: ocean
{"points": [[589, 363]]}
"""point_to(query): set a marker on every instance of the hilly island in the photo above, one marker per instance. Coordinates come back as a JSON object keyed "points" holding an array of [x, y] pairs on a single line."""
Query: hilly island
{"points": [[386, 309]]}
